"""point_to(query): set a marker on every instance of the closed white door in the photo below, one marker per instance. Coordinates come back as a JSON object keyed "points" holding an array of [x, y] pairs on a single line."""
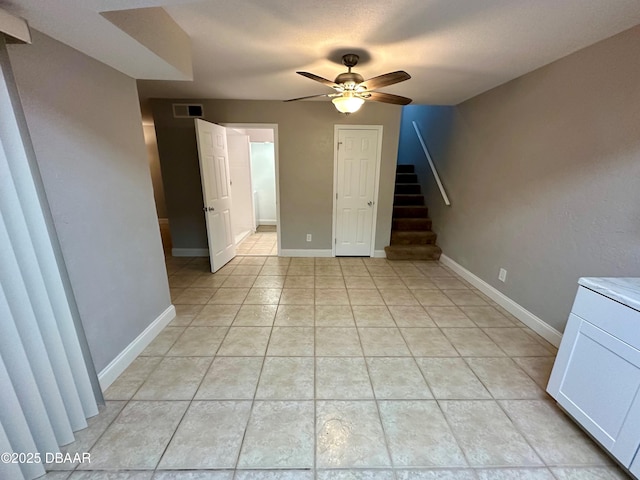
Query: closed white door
{"points": [[357, 166], [216, 191]]}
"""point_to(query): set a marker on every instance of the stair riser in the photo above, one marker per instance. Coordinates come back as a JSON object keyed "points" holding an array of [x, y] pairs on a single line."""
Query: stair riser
{"points": [[412, 240], [418, 253], [419, 241], [410, 212], [405, 169], [411, 256], [411, 224], [408, 199], [403, 188], [406, 178]]}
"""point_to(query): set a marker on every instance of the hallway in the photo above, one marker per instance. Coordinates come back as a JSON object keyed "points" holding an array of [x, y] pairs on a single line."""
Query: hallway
{"points": [[264, 242]]}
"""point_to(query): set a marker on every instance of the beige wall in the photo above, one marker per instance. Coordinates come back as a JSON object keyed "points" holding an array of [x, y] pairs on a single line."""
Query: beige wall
{"points": [[85, 125], [305, 170], [544, 178]]}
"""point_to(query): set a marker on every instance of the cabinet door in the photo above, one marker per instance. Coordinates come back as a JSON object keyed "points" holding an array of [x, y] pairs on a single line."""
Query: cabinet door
{"points": [[596, 379]]}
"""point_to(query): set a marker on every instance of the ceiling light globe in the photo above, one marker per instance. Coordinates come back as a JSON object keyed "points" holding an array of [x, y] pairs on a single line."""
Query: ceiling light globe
{"points": [[347, 103]]}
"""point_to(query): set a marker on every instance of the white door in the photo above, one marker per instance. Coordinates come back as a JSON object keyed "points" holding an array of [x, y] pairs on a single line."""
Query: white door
{"points": [[356, 183], [216, 191]]}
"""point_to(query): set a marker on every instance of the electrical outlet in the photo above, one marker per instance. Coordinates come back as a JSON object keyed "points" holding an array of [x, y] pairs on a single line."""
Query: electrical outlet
{"points": [[308, 237], [502, 276]]}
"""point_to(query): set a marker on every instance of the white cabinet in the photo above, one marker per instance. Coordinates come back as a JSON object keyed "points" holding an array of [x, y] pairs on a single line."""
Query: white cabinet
{"points": [[596, 375]]}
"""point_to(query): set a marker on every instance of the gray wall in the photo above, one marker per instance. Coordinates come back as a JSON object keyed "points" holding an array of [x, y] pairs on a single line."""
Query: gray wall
{"points": [[84, 120], [543, 174], [305, 165]]}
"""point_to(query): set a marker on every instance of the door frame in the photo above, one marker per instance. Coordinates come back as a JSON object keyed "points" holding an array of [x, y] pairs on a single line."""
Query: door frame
{"points": [[376, 187], [253, 209], [276, 151]]}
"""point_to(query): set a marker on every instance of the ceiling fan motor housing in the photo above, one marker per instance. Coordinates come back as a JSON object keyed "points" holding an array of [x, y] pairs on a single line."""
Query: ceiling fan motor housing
{"points": [[348, 78]]}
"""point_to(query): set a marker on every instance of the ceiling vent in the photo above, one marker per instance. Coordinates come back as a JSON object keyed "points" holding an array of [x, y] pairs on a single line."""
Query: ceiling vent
{"points": [[185, 110]]}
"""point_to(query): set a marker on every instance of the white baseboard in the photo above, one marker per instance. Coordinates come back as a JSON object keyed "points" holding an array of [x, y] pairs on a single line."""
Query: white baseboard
{"points": [[190, 252], [535, 323], [119, 364], [267, 222], [239, 238], [315, 252]]}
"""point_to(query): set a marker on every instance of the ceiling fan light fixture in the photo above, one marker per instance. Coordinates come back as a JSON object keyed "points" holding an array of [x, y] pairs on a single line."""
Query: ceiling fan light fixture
{"points": [[348, 103], [351, 90]]}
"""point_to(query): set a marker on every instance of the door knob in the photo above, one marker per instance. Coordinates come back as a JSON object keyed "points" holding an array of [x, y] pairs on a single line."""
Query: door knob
{"points": [[208, 209], [369, 203]]}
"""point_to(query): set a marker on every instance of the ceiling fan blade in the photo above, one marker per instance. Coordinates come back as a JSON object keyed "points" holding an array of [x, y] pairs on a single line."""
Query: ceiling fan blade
{"points": [[385, 80], [310, 96], [386, 98], [323, 81]]}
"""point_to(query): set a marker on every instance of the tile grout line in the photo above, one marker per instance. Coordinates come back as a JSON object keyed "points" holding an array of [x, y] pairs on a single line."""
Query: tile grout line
{"points": [[126, 403], [253, 402], [195, 392], [385, 436], [315, 398], [521, 433], [315, 356]]}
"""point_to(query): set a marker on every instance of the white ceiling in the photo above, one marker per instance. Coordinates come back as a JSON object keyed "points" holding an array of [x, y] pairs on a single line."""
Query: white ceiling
{"points": [[251, 49]]}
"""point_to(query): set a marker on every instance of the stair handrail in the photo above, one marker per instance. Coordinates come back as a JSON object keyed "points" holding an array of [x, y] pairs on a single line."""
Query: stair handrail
{"points": [[433, 167]]}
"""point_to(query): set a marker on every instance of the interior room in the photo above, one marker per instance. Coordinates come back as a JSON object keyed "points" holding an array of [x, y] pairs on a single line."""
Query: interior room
{"points": [[318, 241]]}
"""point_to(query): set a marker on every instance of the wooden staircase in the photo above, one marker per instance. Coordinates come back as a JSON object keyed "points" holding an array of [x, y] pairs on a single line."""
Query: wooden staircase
{"points": [[411, 235]]}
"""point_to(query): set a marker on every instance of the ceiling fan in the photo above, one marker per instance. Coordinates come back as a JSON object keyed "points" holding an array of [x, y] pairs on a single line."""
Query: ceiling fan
{"points": [[351, 90]]}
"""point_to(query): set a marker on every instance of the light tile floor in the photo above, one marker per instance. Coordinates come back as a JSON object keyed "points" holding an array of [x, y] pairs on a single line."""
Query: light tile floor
{"points": [[263, 242], [335, 369]]}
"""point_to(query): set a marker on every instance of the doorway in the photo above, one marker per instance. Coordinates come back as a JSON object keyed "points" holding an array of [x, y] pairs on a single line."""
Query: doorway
{"points": [[356, 178], [253, 167]]}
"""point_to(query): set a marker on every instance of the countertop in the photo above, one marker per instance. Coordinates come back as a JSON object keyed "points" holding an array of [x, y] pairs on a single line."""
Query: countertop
{"points": [[625, 290]]}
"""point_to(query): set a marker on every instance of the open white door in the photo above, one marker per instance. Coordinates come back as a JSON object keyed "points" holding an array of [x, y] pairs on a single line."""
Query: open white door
{"points": [[357, 169], [216, 191]]}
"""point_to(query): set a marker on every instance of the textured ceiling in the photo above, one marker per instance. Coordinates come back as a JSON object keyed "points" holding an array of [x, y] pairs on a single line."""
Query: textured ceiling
{"points": [[453, 49]]}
